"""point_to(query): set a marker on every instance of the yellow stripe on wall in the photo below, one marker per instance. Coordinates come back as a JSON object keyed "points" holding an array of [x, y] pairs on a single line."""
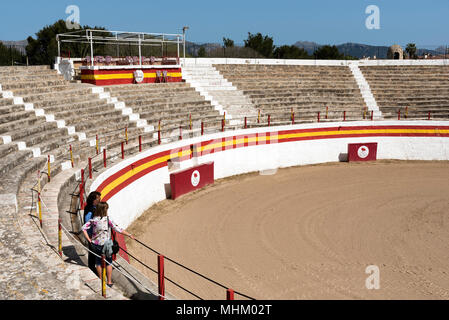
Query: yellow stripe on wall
{"points": [[366, 131], [140, 168]]}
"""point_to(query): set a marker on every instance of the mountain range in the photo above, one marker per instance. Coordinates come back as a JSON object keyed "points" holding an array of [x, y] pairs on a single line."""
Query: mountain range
{"points": [[359, 50]]}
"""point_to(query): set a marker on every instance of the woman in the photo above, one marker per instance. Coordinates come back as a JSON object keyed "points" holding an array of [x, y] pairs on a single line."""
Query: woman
{"points": [[92, 201], [101, 232]]}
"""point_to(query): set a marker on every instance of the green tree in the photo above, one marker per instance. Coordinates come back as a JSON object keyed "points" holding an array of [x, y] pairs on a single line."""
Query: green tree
{"points": [[328, 53], [411, 50], [10, 56], [44, 49], [228, 43], [261, 44], [291, 52], [201, 52]]}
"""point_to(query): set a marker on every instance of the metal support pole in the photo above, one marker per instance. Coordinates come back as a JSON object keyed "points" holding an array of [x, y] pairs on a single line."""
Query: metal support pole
{"points": [[39, 204], [91, 49], [60, 237], [48, 169], [59, 48], [177, 45], [103, 276], [161, 277], [97, 144], [140, 53], [90, 168], [126, 135], [71, 157]]}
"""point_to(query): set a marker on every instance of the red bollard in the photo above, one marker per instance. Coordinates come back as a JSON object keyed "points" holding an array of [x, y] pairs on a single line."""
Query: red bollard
{"points": [[344, 116], [428, 117], [318, 116], [104, 157], [202, 128], [140, 143], [123, 150], [81, 196], [399, 114], [180, 133], [372, 115], [269, 120], [222, 125], [159, 137], [161, 277], [293, 118], [90, 168], [229, 294], [82, 190], [246, 123]]}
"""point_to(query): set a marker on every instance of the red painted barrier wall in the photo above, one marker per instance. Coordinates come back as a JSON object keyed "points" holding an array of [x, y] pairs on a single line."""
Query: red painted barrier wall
{"points": [[191, 179], [362, 152], [105, 77]]}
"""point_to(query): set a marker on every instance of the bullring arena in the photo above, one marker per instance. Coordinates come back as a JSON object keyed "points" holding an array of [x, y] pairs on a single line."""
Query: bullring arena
{"points": [[266, 160]]}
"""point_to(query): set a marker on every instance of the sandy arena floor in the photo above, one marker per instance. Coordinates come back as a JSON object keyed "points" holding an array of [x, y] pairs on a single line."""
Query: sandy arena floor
{"points": [[308, 233]]}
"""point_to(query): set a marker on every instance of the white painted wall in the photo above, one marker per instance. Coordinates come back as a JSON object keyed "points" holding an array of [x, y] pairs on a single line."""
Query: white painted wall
{"points": [[127, 205]]}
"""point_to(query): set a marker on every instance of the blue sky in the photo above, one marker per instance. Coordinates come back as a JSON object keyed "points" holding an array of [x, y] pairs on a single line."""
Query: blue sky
{"points": [[425, 23]]}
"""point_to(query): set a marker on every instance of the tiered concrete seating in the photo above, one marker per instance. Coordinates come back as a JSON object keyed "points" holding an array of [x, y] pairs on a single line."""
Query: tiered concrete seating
{"points": [[170, 103], [420, 88], [75, 104], [276, 90]]}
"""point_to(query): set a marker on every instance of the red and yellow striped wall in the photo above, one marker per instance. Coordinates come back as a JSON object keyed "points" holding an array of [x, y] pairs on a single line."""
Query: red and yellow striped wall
{"points": [[138, 169], [105, 77]]}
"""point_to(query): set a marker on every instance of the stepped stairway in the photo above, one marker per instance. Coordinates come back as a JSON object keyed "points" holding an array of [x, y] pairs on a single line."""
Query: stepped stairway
{"points": [[225, 97]]}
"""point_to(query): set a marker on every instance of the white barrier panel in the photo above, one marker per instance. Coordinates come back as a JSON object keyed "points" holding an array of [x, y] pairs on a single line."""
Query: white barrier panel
{"points": [[131, 201]]}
